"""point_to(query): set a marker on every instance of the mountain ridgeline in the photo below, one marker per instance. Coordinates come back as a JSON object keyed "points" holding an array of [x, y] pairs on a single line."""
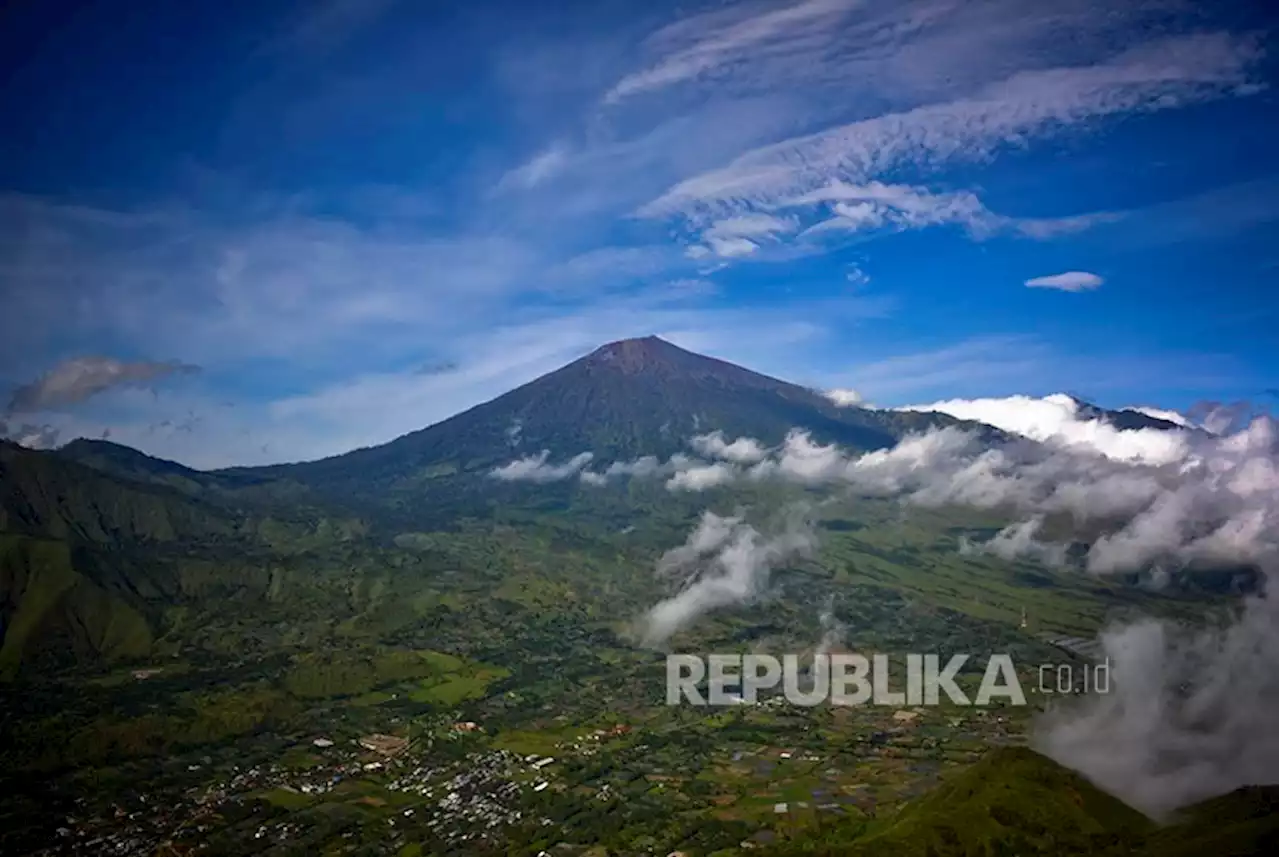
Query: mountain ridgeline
{"points": [[624, 400], [98, 541]]}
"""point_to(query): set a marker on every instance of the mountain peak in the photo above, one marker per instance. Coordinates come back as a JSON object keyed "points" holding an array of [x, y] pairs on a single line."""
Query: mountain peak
{"points": [[636, 355]]}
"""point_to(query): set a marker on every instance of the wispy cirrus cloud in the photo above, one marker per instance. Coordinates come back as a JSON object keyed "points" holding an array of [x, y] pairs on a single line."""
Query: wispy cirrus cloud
{"points": [[875, 205], [1162, 75], [701, 46], [1067, 281], [537, 169]]}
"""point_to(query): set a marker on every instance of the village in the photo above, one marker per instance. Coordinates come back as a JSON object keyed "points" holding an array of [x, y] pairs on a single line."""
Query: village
{"points": [[461, 799], [448, 781]]}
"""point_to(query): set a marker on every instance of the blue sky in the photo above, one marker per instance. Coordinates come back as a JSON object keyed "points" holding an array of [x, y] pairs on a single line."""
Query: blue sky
{"points": [[256, 232]]}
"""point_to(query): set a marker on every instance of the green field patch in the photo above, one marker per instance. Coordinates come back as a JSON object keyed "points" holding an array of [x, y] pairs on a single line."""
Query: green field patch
{"points": [[447, 679], [451, 691], [357, 674], [530, 742]]}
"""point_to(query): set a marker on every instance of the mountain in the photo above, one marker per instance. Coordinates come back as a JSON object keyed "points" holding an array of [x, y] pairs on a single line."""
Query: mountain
{"points": [[98, 540], [625, 399], [55, 496], [1125, 419], [1015, 801], [231, 491]]}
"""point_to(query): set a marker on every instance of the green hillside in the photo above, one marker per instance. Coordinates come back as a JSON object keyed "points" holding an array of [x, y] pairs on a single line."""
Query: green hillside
{"points": [[1013, 801], [1017, 802], [91, 556], [1239, 824]]}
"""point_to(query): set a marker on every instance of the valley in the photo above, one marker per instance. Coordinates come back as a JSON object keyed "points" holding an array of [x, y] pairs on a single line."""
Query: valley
{"points": [[204, 662]]}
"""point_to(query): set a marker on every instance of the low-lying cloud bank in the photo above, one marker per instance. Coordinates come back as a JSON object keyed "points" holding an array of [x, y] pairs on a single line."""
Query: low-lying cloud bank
{"points": [[683, 472], [1139, 498], [534, 468], [725, 561], [845, 398], [1192, 712], [1058, 420], [1213, 505]]}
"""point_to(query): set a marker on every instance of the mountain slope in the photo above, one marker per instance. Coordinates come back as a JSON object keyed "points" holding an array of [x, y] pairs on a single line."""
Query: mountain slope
{"points": [[1238, 824], [626, 399], [1015, 801], [47, 494], [1125, 419], [92, 553]]}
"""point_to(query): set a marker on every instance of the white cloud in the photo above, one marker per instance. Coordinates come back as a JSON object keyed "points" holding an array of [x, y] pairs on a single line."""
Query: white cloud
{"points": [[876, 205], [748, 225], [1197, 500], [540, 168], [644, 466], [739, 235], [725, 561], [1160, 75], [744, 450], [1068, 281], [1055, 419], [1044, 228], [534, 468], [700, 477], [698, 47], [856, 277], [30, 435], [729, 248], [1021, 541], [844, 398], [1191, 712]]}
